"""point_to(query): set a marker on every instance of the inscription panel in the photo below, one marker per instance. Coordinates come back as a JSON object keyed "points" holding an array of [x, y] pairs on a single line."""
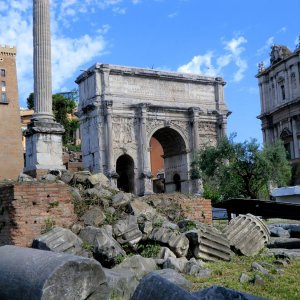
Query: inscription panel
{"points": [[155, 91]]}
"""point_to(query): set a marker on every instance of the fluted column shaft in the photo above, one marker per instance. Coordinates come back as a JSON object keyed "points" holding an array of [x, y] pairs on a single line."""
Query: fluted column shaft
{"points": [[143, 136], [109, 141], [194, 111], [42, 60]]}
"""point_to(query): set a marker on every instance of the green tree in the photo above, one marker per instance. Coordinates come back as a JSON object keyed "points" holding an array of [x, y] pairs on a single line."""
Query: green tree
{"points": [[62, 108], [240, 169], [30, 101]]}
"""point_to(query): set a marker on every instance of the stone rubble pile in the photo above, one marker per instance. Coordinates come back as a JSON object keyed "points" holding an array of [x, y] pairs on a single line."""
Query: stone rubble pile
{"points": [[130, 237], [285, 240]]}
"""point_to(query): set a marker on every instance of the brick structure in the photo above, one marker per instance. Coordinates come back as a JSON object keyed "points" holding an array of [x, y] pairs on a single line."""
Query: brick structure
{"points": [[29, 207], [198, 209], [194, 208], [11, 153]]}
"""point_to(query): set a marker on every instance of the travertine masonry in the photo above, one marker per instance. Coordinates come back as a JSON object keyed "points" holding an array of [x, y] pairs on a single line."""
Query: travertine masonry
{"points": [[122, 108]]}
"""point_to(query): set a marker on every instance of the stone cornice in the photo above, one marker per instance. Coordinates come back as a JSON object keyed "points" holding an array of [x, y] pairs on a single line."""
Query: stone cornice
{"points": [[279, 108], [150, 73], [275, 65]]}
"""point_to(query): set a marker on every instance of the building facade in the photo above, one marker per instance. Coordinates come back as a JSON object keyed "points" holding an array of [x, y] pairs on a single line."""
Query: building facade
{"points": [[121, 109], [11, 152], [279, 86]]}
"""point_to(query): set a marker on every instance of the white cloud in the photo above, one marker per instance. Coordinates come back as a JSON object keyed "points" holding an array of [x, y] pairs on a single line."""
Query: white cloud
{"points": [[234, 46], [68, 54], [119, 10], [282, 29], [266, 47], [172, 15], [211, 65], [200, 64]]}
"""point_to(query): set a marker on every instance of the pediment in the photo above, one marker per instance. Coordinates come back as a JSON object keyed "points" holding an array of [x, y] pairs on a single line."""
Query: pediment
{"points": [[285, 133]]}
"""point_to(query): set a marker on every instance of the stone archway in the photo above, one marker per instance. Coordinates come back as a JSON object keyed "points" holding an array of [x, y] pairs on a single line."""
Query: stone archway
{"points": [[125, 170], [175, 159]]}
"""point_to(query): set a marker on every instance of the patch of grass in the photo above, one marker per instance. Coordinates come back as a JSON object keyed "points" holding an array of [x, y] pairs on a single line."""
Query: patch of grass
{"points": [[119, 259], [48, 225], [190, 225], [113, 217], [54, 204], [149, 249], [87, 246], [283, 287]]}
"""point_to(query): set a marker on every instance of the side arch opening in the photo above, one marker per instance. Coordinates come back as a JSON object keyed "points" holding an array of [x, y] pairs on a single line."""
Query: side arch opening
{"points": [[125, 170]]}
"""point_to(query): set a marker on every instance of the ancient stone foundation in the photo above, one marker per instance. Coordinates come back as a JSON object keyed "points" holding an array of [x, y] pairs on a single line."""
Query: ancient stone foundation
{"points": [[28, 208]]}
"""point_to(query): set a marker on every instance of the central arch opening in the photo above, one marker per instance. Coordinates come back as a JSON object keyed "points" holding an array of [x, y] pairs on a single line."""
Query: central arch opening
{"points": [[125, 170], [169, 164]]}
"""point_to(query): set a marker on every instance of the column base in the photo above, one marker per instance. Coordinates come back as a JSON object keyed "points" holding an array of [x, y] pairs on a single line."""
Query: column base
{"points": [[43, 147], [148, 186], [197, 187]]}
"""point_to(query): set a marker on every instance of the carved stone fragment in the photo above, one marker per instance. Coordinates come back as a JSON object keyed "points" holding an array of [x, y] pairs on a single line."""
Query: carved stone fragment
{"points": [[105, 248], [127, 231], [247, 234], [59, 240], [208, 243], [175, 240]]}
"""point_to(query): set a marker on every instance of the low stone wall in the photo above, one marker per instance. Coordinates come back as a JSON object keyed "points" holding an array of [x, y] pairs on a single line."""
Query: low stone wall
{"points": [[28, 208]]}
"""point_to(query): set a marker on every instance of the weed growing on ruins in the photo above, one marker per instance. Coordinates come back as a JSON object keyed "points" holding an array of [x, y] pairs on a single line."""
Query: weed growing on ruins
{"points": [[119, 259], [87, 246], [54, 204], [48, 225], [112, 217], [79, 206], [149, 249], [157, 222], [189, 225]]}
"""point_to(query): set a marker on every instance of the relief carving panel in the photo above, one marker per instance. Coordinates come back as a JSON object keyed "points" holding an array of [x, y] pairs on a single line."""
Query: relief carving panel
{"points": [[123, 131]]}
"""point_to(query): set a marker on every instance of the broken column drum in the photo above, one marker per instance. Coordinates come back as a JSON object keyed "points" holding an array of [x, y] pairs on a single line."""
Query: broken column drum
{"points": [[208, 244], [36, 274], [247, 234]]}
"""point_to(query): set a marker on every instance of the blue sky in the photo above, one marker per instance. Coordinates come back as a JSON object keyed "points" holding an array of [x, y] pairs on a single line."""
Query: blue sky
{"points": [[218, 38]]}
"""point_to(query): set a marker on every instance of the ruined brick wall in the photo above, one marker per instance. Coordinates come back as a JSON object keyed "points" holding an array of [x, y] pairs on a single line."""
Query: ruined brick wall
{"points": [[28, 208], [11, 151], [194, 208], [197, 209]]}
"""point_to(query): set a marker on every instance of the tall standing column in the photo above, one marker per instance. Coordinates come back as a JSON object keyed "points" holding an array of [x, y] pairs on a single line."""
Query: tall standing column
{"points": [[194, 111], [146, 171], [42, 60], [43, 135], [295, 138], [109, 142]]}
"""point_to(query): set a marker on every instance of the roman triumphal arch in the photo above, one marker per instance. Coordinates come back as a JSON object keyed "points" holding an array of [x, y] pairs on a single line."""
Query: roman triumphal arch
{"points": [[143, 126]]}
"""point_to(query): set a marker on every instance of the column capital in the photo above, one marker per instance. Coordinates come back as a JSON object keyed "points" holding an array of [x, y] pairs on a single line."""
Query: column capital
{"points": [[108, 104], [195, 111]]}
